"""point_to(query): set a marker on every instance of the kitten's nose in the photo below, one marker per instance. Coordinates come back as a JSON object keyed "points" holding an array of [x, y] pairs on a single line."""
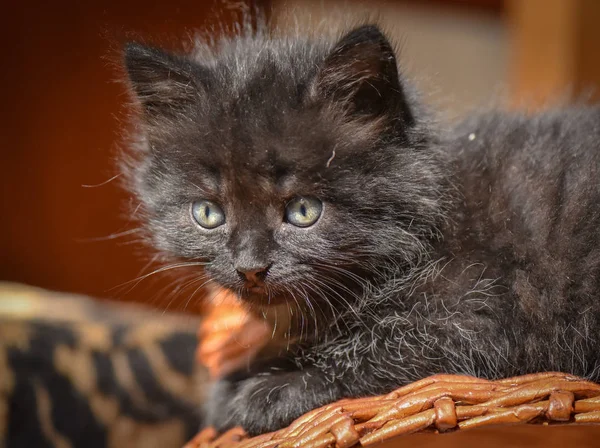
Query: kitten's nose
{"points": [[253, 275]]}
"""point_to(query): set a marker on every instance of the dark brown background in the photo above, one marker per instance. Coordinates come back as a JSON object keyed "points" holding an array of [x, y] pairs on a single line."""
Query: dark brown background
{"points": [[62, 113], [62, 116]]}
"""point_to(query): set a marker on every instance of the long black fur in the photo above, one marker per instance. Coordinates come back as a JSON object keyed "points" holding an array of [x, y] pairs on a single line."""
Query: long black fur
{"points": [[471, 251]]}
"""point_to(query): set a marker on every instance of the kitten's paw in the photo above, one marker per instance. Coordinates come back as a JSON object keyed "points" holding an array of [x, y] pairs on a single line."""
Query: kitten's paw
{"points": [[268, 402]]}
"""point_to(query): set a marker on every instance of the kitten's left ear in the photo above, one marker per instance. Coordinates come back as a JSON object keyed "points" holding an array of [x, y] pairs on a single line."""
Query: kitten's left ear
{"points": [[165, 84], [361, 72]]}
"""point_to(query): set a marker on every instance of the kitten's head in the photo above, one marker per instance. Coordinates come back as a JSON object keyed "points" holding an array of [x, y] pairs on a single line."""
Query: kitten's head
{"points": [[295, 169]]}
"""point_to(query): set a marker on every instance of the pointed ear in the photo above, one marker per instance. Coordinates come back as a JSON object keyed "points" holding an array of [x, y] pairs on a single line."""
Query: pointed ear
{"points": [[164, 84], [361, 72]]}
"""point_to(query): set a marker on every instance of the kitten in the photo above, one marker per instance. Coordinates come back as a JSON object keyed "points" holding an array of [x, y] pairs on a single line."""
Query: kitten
{"points": [[305, 172]]}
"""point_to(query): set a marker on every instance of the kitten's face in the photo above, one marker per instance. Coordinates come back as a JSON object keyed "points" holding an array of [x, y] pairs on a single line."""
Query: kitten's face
{"points": [[294, 175]]}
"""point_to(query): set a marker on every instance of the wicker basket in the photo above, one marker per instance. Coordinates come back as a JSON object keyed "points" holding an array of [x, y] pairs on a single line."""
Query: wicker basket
{"points": [[436, 404]]}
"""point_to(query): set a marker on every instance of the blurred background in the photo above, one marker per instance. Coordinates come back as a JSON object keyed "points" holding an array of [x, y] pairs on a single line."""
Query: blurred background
{"points": [[64, 224]]}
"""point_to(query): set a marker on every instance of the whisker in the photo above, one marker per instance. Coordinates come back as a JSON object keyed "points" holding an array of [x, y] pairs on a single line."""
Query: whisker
{"points": [[137, 280], [102, 183], [112, 236]]}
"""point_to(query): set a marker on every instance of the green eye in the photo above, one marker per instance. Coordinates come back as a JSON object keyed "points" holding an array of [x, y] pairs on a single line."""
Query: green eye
{"points": [[303, 212], [208, 214]]}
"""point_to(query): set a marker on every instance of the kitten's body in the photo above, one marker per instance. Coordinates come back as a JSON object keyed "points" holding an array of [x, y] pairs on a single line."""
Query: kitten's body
{"points": [[474, 251], [512, 283]]}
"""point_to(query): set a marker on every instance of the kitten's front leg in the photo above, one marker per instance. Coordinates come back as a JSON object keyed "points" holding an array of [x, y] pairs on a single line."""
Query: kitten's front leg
{"points": [[270, 400]]}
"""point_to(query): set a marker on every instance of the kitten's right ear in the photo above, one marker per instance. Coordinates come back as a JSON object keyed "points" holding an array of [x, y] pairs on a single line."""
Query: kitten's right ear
{"points": [[164, 84]]}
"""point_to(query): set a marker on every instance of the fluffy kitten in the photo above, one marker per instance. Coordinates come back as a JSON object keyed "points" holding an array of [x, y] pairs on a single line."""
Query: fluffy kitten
{"points": [[304, 172]]}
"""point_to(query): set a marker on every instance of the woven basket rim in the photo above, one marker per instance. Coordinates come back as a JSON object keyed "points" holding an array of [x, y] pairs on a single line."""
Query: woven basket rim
{"points": [[440, 403]]}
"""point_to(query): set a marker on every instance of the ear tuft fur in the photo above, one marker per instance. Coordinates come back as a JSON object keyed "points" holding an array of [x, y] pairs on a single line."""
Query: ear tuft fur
{"points": [[164, 84], [361, 72]]}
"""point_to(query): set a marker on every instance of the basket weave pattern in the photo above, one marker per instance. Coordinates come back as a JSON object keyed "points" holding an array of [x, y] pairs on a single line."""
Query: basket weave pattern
{"points": [[438, 403]]}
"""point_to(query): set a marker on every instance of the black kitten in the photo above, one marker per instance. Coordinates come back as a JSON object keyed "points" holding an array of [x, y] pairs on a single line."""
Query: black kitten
{"points": [[304, 172]]}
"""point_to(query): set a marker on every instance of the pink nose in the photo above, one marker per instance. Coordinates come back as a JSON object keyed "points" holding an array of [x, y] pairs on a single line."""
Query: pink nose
{"points": [[253, 276]]}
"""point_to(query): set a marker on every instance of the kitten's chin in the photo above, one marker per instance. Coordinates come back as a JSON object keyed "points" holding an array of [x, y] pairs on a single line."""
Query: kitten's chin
{"points": [[259, 296]]}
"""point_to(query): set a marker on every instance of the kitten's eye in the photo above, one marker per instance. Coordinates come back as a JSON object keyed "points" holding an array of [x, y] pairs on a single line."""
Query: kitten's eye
{"points": [[303, 212], [208, 214]]}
